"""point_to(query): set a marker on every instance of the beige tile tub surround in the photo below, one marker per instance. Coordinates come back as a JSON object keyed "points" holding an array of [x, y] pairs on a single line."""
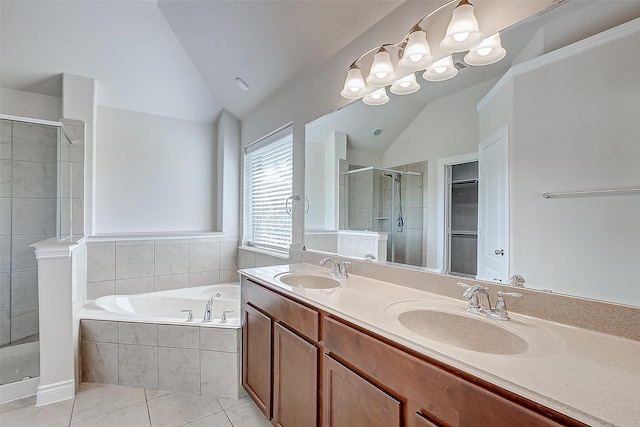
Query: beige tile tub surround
{"points": [[609, 318], [120, 266], [186, 359]]}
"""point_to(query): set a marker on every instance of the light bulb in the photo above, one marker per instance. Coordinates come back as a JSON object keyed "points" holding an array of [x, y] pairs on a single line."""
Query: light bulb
{"points": [[440, 70], [460, 37], [377, 97], [417, 53], [488, 52], [381, 72], [405, 85], [354, 86], [463, 32]]}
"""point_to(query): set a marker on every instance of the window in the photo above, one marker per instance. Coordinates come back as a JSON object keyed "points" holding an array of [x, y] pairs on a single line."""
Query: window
{"points": [[268, 177]]}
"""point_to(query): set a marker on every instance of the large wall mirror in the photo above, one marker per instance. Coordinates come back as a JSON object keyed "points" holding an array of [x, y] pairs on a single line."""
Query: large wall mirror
{"points": [[414, 182]]}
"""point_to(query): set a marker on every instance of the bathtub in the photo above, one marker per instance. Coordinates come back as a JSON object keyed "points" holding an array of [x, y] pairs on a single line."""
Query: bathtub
{"points": [[167, 306], [146, 341]]}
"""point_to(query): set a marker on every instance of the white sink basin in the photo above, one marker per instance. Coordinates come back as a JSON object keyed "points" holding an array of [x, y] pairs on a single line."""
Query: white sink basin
{"points": [[308, 280], [463, 330], [445, 322]]}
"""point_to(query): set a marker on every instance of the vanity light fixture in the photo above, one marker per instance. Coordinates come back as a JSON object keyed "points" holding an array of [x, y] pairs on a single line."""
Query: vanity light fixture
{"points": [[462, 32], [382, 69], [413, 53], [377, 97], [441, 70], [488, 52], [405, 85]]}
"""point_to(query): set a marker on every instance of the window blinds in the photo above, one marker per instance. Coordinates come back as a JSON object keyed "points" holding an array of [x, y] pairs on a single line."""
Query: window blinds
{"points": [[268, 183]]}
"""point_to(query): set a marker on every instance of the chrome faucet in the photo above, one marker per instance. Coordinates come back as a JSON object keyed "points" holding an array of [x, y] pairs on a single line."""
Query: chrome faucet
{"points": [[209, 306], [517, 281], [474, 294], [338, 268], [369, 257]]}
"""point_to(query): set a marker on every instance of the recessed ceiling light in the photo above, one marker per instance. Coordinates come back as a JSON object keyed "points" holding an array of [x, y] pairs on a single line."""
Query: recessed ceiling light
{"points": [[241, 84], [377, 132]]}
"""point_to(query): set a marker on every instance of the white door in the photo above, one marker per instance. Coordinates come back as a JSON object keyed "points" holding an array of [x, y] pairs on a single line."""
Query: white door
{"points": [[493, 208]]}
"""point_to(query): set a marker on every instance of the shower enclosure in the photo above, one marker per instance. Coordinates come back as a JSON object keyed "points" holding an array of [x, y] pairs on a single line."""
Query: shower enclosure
{"points": [[32, 200], [386, 201]]}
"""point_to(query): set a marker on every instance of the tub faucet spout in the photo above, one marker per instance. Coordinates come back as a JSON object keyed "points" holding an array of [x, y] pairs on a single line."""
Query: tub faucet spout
{"points": [[209, 306]]}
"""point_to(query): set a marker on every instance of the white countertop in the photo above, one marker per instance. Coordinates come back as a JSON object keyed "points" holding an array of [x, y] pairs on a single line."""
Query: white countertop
{"points": [[590, 376]]}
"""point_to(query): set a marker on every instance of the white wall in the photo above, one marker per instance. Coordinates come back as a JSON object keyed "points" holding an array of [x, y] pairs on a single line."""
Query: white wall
{"points": [[28, 104], [153, 173], [445, 128], [574, 127], [590, 140]]}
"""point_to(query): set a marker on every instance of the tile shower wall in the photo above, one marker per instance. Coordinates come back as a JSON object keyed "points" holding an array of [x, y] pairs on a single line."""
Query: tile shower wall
{"points": [[136, 266], [28, 156], [188, 359]]}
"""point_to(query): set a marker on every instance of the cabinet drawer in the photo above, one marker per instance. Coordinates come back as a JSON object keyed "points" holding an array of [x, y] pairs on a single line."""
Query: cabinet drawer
{"points": [[448, 397], [303, 319], [352, 401]]}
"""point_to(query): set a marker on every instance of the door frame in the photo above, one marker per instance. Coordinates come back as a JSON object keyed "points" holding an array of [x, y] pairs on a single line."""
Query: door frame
{"points": [[500, 133], [441, 202]]}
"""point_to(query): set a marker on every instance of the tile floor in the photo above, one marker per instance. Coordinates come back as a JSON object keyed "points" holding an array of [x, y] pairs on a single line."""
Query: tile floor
{"points": [[98, 405]]}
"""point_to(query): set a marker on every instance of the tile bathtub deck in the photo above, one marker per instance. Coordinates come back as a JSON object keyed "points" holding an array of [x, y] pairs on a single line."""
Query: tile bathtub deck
{"points": [[98, 405]]}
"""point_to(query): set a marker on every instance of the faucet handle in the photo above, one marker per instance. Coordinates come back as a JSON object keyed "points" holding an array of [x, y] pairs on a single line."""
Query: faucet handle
{"points": [[223, 319], [189, 316], [509, 294], [343, 269], [500, 311]]}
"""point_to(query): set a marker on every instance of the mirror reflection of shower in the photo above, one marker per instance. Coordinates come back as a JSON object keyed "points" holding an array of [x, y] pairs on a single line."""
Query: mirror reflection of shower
{"points": [[390, 202], [397, 188]]}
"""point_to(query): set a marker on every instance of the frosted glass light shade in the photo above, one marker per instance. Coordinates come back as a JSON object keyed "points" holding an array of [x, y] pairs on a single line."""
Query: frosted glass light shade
{"points": [[488, 52], [354, 86], [463, 32], [405, 85], [440, 70], [417, 53], [381, 72], [377, 97]]}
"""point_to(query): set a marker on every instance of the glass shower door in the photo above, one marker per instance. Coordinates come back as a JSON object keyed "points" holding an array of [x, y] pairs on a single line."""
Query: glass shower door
{"points": [[28, 205]]}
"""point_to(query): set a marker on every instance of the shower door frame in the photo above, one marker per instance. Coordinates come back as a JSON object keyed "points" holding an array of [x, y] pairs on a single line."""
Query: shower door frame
{"points": [[28, 387]]}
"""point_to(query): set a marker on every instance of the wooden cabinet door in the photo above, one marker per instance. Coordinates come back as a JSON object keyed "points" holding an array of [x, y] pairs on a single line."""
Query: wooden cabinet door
{"points": [[256, 357], [295, 380], [352, 401]]}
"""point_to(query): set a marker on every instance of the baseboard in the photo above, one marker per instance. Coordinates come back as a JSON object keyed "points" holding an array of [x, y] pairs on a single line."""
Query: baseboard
{"points": [[18, 390], [55, 392]]}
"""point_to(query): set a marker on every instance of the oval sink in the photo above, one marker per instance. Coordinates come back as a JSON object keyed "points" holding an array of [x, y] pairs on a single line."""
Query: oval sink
{"points": [[463, 331], [309, 281]]}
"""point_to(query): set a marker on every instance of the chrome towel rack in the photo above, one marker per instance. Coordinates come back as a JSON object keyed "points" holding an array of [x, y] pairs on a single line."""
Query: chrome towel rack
{"points": [[590, 192]]}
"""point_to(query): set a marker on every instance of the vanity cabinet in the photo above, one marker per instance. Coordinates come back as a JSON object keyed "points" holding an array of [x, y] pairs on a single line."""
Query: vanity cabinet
{"points": [[256, 357], [280, 356], [434, 394], [306, 367], [352, 401]]}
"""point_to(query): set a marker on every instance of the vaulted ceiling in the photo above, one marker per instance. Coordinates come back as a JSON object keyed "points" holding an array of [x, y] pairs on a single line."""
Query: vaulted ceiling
{"points": [[181, 58], [176, 58]]}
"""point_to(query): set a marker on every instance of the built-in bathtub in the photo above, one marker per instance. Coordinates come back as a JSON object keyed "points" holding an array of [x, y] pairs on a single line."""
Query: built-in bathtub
{"points": [[146, 341]]}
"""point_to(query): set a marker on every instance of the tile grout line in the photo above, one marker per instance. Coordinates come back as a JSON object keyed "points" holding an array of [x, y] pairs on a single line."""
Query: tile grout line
{"points": [[146, 401], [72, 408]]}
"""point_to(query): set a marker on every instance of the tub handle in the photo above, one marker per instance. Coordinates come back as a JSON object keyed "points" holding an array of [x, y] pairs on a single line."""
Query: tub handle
{"points": [[189, 316], [223, 319]]}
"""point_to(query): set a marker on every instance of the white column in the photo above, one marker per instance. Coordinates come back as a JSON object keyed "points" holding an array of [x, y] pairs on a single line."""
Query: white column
{"points": [[55, 298]]}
